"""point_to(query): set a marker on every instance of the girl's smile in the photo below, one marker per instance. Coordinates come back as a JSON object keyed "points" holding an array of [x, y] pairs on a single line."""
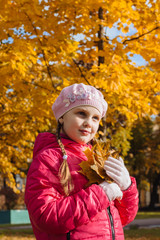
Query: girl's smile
{"points": [[81, 123], [84, 132]]}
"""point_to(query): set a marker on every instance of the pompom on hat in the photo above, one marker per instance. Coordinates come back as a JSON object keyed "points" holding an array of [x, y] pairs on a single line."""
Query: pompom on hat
{"points": [[77, 95]]}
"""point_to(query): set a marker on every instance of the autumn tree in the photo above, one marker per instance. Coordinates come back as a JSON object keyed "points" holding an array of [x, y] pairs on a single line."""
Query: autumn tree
{"points": [[46, 45], [144, 154]]}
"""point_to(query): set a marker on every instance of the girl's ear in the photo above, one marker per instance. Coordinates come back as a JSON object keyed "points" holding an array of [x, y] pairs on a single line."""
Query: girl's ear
{"points": [[60, 120]]}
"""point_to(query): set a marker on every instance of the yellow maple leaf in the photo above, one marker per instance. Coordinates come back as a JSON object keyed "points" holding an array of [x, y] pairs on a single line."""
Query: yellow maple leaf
{"points": [[93, 168]]}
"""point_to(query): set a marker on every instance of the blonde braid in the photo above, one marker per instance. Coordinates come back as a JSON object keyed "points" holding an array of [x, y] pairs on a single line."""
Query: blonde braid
{"points": [[64, 172]]}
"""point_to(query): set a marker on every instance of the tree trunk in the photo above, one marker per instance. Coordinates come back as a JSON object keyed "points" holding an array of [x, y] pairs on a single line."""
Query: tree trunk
{"points": [[100, 36], [101, 61], [153, 193]]}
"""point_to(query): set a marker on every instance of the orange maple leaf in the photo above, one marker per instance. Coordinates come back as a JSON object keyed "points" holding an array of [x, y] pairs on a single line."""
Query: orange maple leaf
{"points": [[93, 168]]}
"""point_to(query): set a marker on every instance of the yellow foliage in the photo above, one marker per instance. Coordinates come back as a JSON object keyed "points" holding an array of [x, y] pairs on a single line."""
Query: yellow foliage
{"points": [[48, 45]]}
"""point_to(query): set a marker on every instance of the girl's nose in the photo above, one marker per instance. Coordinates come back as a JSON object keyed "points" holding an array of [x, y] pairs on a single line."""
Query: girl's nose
{"points": [[87, 122]]}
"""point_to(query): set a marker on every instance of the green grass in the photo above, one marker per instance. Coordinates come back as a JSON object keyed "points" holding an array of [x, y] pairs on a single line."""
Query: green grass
{"points": [[148, 234], [145, 215], [10, 230], [139, 234], [15, 232], [132, 234]]}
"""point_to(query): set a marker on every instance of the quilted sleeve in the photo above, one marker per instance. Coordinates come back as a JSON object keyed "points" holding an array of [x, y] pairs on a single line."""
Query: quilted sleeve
{"points": [[50, 211], [128, 206]]}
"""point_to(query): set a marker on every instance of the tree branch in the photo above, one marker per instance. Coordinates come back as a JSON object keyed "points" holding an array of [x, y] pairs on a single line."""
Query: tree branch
{"points": [[135, 38], [44, 56], [36, 84], [81, 71]]}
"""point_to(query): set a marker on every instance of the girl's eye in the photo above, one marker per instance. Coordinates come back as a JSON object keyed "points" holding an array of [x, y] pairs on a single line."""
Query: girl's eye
{"points": [[82, 113], [96, 118]]}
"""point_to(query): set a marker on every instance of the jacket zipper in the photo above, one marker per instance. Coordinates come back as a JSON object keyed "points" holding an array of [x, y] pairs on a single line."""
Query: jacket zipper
{"points": [[68, 236], [111, 221]]}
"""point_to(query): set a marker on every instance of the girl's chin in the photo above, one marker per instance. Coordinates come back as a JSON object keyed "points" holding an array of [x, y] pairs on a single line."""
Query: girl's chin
{"points": [[83, 140]]}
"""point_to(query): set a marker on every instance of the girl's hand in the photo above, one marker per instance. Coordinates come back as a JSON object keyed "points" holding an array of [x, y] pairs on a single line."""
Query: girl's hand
{"points": [[116, 169], [112, 190]]}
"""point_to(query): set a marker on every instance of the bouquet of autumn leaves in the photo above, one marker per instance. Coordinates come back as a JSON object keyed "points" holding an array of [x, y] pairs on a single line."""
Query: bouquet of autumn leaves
{"points": [[93, 168]]}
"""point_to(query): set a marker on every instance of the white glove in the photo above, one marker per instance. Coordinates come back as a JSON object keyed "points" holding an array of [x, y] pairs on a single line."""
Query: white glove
{"points": [[116, 169], [111, 190]]}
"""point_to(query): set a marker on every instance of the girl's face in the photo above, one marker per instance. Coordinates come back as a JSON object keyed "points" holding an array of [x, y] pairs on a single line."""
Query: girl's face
{"points": [[81, 123]]}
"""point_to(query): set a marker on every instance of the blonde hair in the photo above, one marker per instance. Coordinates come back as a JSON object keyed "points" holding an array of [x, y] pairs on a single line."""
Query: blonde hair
{"points": [[64, 171]]}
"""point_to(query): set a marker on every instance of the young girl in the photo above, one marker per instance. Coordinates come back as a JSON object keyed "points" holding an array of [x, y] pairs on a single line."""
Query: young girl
{"points": [[59, 204]]}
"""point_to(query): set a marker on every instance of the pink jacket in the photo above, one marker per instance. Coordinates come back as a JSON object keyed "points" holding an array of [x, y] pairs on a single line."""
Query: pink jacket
{"points": [[87, 212]]}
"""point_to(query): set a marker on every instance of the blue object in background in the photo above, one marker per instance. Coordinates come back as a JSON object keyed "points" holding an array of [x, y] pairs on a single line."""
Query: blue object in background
{"points": [[14, 217]]}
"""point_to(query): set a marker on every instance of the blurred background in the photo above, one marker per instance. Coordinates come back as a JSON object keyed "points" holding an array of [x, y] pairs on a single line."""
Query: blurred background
{"points": [[48, 45]]}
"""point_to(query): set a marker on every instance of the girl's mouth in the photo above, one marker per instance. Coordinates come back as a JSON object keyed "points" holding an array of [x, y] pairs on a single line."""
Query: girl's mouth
{"points": [[85, 132]]}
